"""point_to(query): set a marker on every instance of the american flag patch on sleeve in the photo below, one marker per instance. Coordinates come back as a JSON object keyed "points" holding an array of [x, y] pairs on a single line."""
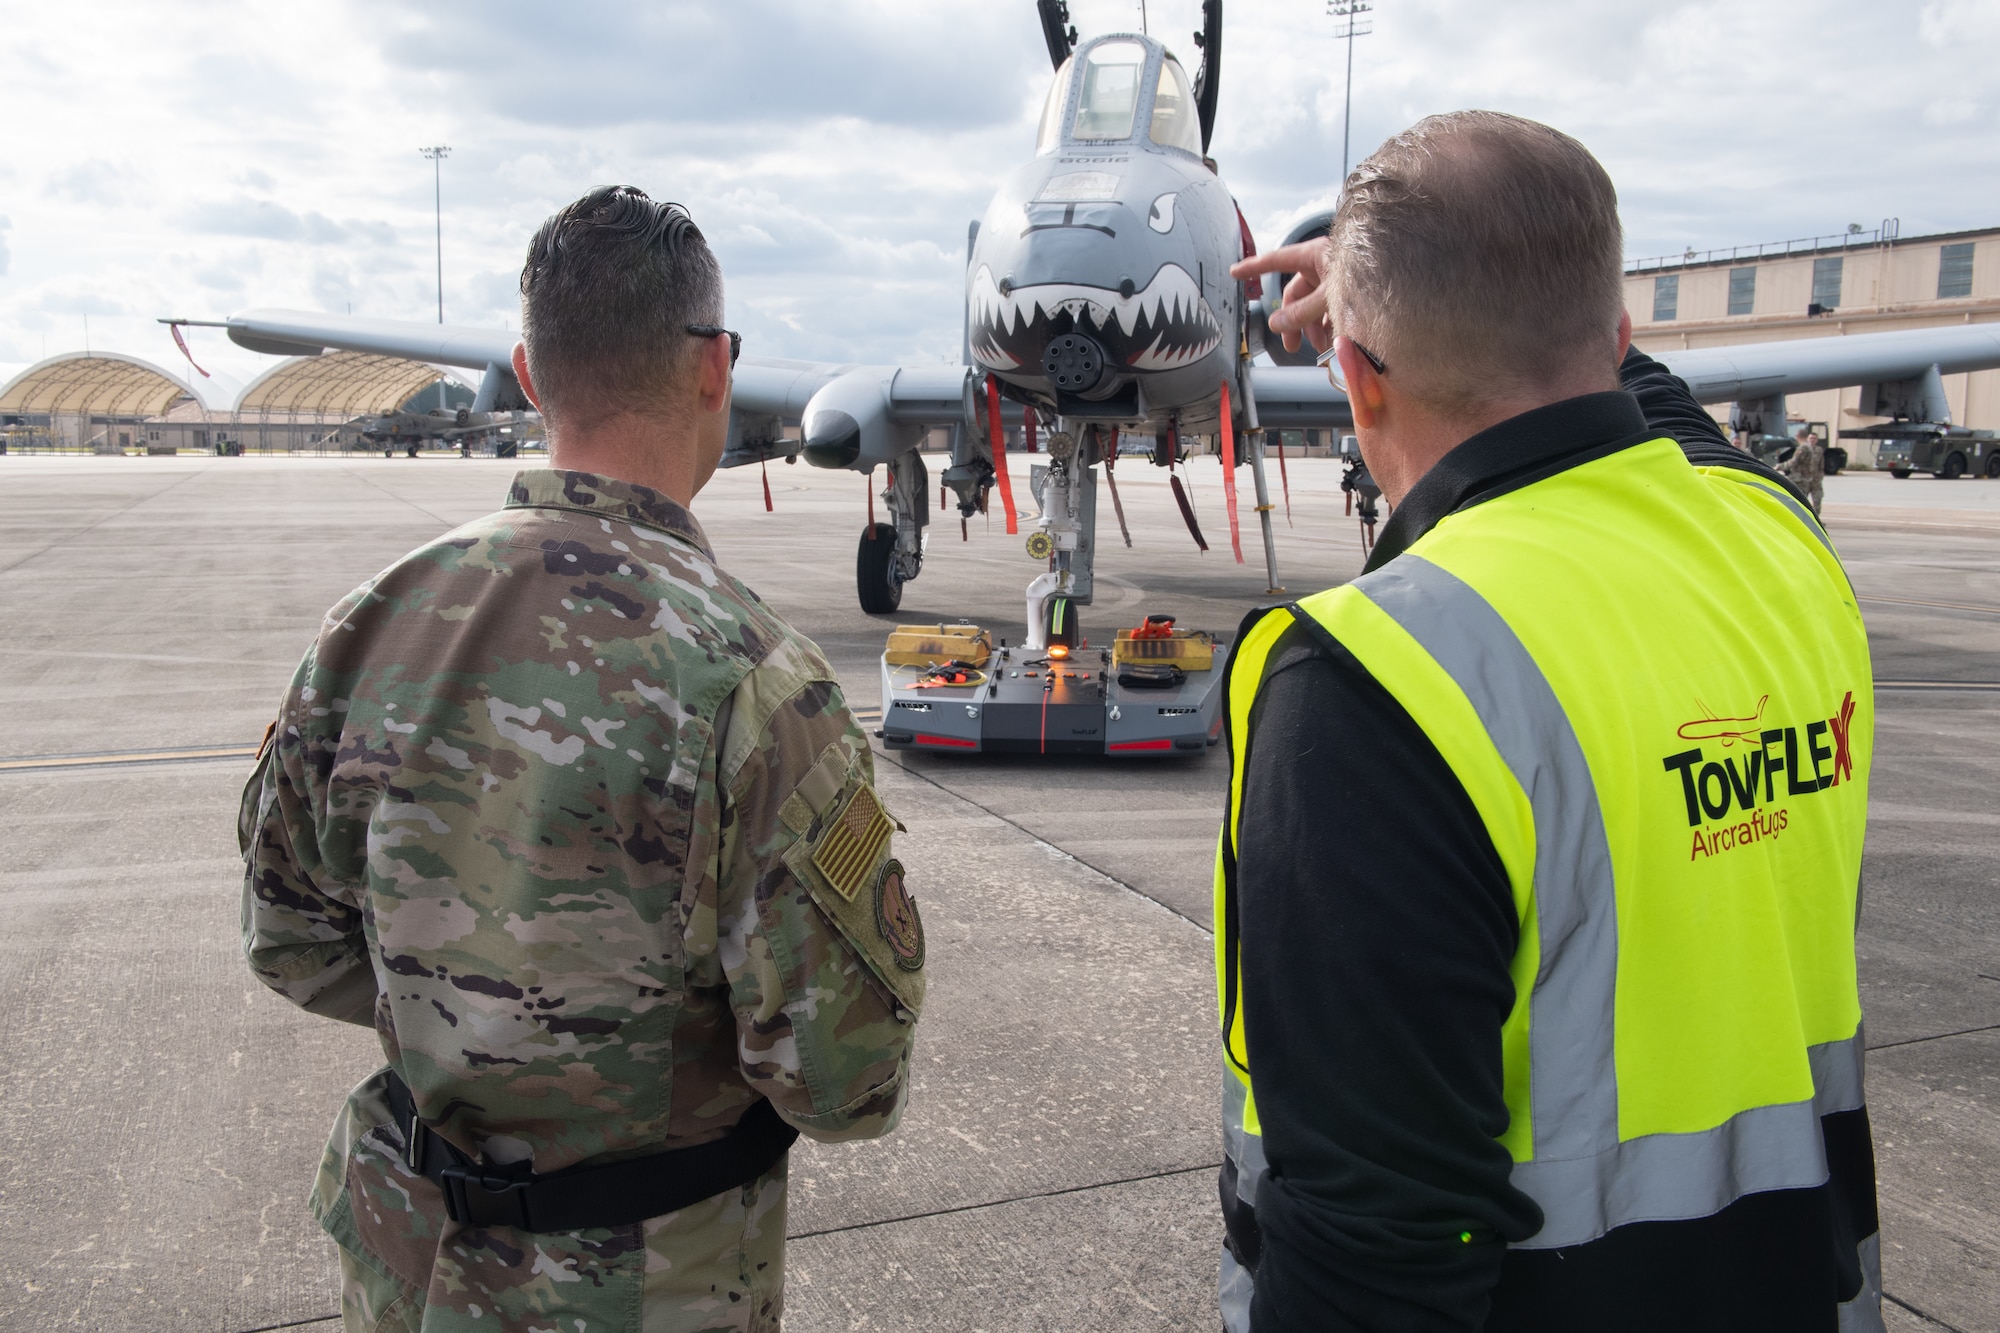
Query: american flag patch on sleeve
{"points": [[853, 843]]}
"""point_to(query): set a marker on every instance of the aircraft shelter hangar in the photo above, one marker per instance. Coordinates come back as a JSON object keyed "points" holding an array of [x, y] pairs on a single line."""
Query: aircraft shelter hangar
{"points": [[110, 402], [338, 384], [96, 384]]}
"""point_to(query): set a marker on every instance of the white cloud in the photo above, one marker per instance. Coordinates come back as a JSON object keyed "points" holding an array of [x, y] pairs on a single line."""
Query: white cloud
{"points": [[834, 152]]}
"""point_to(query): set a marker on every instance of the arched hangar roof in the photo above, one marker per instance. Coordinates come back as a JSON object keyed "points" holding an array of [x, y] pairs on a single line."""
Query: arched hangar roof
{"points": [[96, 383], [337, 384]]}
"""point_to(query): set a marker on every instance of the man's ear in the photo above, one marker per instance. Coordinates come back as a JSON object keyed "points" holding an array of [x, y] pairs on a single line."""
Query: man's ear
{"points": [[712, 390], [520, 360], [1364, 386]]}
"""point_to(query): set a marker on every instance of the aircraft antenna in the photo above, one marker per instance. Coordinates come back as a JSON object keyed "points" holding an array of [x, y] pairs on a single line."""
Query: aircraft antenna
{"points": [[1352, 25], [437, 155]]}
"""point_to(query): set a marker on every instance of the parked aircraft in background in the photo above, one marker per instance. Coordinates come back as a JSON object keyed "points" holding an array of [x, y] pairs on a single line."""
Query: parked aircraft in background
{"points": [[462, 428], [1098, 305]]}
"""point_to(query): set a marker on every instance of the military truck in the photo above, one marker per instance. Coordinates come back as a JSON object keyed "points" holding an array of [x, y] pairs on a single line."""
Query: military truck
{"points": [[1944, 451]]}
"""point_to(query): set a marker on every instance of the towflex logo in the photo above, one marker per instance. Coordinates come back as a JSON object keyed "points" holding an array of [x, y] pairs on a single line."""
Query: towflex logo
{"points": [[1727, 795]]}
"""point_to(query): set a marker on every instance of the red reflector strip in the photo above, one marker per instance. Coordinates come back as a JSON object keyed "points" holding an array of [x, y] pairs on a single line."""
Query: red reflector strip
{"points": [[1162, 744], [958, 741]]}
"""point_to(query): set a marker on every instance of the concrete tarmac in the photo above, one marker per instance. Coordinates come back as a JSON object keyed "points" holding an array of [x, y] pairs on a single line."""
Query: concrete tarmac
{"points": [[163, 1114]]}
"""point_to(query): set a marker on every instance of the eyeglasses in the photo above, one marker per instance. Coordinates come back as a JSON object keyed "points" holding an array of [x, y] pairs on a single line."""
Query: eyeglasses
{"points": [[717, 331], [1330, 359]]}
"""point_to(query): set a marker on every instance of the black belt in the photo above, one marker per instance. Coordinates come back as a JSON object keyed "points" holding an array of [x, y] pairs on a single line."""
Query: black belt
{"points": [[614, 1194]]}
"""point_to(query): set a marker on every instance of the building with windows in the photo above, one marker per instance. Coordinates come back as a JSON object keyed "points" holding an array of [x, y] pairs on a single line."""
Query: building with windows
{"points": [[1823, 287]]}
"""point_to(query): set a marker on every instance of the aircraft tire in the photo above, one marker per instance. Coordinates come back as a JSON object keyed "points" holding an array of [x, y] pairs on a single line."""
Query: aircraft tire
{"points": [[1954, 467], [879, 593], [1900, 473]]}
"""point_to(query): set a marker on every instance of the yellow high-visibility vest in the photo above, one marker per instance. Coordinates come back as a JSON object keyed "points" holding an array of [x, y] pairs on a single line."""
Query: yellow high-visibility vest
{"points": [[1653, 682]]}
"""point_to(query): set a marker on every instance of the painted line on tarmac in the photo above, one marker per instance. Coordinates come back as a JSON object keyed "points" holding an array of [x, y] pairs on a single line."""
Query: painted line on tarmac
{"points": [[293, 1323], [1167, 1174], [1984, 686], [1918, 601], [884, 757], [114, 759], [1919, 1311], [1936, 1036]]}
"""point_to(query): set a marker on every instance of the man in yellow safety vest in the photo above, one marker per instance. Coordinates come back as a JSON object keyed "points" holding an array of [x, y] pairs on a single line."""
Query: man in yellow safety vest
{"points": [[1536, 892]]}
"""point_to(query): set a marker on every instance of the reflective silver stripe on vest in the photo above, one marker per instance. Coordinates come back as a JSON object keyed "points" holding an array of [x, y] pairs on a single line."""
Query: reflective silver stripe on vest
{"points": [[1246, 1151], [1783, 497], [1673, 1177], [1573, 1074], [1863, 1314], [1838, 1070], [1234, 1287], [1585, 1180], [1244, 1148]]}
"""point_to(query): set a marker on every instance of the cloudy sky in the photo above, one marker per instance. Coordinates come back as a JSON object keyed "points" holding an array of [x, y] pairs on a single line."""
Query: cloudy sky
{"points": [[194, 160]]}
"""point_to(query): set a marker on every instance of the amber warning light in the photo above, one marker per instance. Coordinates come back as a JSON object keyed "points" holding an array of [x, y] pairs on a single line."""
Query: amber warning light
{"points": [[1060, 629]]}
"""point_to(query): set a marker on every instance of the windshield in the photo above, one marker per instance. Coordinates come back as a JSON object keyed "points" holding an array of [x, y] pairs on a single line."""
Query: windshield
{"points": [[1175, 123], [1110, 91], [1052, 112]]}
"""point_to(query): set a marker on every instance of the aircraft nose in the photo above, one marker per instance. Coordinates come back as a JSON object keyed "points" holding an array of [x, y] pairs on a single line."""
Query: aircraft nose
{"points": [[833, 439]]}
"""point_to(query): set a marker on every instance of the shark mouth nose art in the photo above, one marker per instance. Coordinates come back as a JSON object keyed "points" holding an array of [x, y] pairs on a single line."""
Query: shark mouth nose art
{"points": [[1163, 326]]}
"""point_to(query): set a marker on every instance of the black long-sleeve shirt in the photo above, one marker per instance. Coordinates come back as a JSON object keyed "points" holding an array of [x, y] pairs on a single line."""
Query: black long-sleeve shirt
{"points": [[1377, 926]]}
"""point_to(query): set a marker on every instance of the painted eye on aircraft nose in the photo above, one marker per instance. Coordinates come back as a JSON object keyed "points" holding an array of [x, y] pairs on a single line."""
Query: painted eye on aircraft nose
{"points": [[1161, 219]]}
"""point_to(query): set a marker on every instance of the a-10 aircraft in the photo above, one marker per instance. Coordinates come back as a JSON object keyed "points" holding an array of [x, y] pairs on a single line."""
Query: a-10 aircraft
{"points": [[407, 430], [1098, 301]]}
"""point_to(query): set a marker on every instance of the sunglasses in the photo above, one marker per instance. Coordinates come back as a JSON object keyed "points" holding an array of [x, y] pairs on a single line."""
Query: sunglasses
{"points": [[1330, 359], [717, 331]]}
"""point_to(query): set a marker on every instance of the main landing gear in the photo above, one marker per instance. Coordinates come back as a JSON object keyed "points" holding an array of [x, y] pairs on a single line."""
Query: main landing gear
{"points": [[891, 553], [874, 570]]}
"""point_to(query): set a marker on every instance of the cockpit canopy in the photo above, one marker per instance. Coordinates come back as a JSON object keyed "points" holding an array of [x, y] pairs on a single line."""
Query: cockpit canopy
{"points": [[1112, 96]]}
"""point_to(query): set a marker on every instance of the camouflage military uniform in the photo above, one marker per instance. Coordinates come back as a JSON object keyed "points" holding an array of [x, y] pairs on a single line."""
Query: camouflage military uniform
{"points": [[587, 833], [1807, 469]]}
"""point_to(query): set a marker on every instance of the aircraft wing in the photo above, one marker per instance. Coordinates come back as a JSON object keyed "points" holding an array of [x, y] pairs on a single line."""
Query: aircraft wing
{"points": [[1747, 371], [1901, 366], [762, 387], [308, 333], [1298, 397], [887, 406]]}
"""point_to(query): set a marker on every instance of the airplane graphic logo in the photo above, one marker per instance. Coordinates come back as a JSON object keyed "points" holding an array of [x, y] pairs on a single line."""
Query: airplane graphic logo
{"points": [[1711, 726]]}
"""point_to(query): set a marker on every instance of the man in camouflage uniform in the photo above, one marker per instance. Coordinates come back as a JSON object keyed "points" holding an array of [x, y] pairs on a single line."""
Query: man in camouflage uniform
{"points": [[1807, 469], [588, 834]]}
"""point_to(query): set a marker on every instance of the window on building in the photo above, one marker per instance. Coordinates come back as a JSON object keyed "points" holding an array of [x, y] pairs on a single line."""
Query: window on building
{"points": [[1666, 297], [1826, 282], [1742, 290], [1954, 270]]}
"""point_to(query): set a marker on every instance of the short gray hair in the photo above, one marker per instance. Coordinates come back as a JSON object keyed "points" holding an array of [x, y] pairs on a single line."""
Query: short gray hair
{"points": [[1479, 253], [610, 286]]}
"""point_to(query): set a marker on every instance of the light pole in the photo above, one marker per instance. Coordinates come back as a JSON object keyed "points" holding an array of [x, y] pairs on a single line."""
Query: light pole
{"points": [[1352, 25], [437, 156]]}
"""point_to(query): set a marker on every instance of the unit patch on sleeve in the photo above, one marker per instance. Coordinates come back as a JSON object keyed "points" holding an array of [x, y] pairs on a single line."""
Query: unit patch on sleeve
{"points": [[842, 858], [896, 917]]}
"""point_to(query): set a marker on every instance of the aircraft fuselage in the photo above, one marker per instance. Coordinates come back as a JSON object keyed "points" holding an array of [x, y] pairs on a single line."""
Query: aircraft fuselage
{"points": [[1098, 285]]}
